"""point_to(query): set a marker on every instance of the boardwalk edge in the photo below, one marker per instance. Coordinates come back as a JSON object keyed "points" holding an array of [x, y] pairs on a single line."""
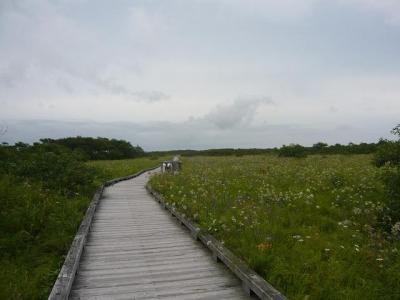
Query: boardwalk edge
{"points": [[63, 284], [253, 284]]}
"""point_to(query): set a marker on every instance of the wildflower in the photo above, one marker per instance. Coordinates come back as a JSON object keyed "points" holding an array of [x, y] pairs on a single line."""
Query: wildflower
{"points": [[327, 249], [356, 210], [396, 228], [264, 246], [379, 259]]}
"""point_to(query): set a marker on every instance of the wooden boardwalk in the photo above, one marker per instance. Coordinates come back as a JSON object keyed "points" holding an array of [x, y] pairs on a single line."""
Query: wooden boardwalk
{"points": [[137, 250]]}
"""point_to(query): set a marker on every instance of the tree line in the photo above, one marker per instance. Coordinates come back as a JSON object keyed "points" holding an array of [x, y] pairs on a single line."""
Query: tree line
{"points": [[292, 150], [89, 148]]}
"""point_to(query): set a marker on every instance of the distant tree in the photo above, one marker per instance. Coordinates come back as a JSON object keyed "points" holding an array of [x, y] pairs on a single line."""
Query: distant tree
{"points": [[98, 148], [293, 150], [319, 147]]}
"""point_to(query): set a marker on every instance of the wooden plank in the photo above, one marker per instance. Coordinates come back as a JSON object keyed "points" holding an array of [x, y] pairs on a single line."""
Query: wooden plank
{"points": [[136, 250], [63, 284]]}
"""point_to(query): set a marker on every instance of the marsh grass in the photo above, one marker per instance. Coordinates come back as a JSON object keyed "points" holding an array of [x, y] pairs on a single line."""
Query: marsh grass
{"points": [[110, 169], [38, 222], [307, 225]]}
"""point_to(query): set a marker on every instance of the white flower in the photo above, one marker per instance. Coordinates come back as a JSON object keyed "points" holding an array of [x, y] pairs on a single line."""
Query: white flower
{"points": [[396, 228]]}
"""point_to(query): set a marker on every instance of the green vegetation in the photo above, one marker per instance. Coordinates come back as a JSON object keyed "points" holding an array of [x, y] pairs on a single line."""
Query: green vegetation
{"points": [[311, 226], [98, 148], [45, 190], [293, 150], [318, 148], [109, 169], [388, 158], [316, 226]]}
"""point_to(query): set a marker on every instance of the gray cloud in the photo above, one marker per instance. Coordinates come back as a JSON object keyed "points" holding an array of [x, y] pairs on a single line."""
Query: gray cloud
{"points": [[118, 89], [240, 113]]}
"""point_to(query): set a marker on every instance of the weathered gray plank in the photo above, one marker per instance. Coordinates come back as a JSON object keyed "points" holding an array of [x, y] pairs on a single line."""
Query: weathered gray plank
{"points": [[136, 250]]}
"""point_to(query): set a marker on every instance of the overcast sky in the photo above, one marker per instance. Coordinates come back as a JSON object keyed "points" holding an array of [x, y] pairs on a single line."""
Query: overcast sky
{"points": [[200, 73]]}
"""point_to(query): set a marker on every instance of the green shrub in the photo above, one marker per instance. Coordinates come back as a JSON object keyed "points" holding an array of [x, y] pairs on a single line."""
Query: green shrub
{"points": [[293, 150], [388, 152], [98, 148], [388, 157], [61, 172]]}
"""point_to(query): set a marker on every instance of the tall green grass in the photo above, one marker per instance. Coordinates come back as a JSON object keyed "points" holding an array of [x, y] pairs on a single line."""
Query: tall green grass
{"points": [[307, 225], [110, 169]]}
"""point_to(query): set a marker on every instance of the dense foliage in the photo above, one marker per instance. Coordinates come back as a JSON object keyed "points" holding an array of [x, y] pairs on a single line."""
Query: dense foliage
{"points": [[293, 150], [388, 158], [45, 190], [99, 148], [310, 225]]}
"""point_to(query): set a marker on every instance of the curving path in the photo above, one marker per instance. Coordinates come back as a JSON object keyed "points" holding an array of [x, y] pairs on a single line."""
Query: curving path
{"points": [[136, 250]]}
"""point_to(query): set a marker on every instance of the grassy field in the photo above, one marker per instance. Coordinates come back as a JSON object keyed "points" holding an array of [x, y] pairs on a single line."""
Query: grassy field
{"points": [[38, 223], [109, 169], [309, 225]]}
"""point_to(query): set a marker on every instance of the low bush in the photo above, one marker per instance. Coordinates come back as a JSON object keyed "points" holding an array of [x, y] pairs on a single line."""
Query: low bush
{"points": [[293, 150]]}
